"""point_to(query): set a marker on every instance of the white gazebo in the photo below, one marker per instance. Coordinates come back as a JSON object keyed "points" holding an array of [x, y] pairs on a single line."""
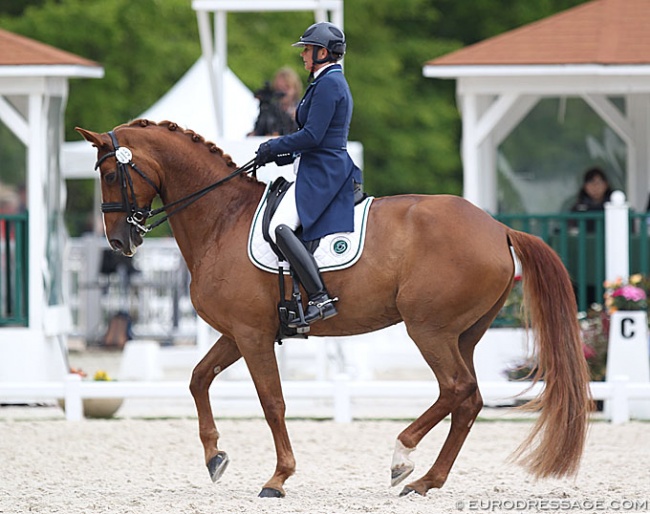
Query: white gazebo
{"points": [[595, 51], [33, 95]]}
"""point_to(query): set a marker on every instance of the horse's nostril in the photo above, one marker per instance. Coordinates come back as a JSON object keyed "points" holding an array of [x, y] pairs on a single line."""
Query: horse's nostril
{"points": [[116, 244]]}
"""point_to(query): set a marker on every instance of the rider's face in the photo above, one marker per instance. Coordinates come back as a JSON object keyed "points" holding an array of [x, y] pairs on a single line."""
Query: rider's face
{"points": [[307, 55]]}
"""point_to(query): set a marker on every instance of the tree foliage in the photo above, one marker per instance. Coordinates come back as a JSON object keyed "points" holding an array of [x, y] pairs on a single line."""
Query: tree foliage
{"points": [[409, 125]]}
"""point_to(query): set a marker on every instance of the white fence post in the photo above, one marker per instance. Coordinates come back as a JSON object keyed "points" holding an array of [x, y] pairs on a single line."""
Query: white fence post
{"points": [[620, 405], [342, 399], [73, 403], [617, 251]]}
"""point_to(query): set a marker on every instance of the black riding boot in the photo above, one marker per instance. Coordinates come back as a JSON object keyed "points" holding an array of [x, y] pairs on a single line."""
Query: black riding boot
{"points": [[320, 305]]}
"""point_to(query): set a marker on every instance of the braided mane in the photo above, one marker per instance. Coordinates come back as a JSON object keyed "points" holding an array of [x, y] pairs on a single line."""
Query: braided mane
{"points": [[196, 138]]}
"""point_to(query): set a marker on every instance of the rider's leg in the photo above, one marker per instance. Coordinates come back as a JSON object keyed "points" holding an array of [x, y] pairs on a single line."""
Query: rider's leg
{"points": [[281, 227], [320, 306], [286, 213]]}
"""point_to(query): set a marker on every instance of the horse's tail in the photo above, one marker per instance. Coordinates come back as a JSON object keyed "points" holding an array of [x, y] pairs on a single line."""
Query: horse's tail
{"points": [[555, 445]]}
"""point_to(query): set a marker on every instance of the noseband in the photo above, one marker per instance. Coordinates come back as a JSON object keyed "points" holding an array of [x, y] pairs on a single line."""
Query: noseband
{"points": [[138, 215]]}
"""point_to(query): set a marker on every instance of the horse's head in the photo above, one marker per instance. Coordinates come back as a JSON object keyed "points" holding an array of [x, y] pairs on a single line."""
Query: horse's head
{"points": [[127, 188]]}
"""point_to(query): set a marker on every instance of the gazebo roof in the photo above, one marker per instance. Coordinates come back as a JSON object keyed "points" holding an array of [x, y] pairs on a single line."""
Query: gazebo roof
{"points": [[605, 32], [22, 56]]}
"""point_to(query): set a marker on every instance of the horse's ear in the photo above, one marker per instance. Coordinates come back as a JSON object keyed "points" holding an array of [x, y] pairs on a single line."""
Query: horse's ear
{"points": [[91, 137]]}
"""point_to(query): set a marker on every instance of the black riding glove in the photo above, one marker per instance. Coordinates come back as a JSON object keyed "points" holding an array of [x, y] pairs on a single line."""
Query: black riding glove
{"points": [[264, 154]]}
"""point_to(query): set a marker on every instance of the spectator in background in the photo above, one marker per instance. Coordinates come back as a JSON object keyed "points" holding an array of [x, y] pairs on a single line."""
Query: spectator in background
{"points": [[278, 102], [288, 83], [595, 191]]}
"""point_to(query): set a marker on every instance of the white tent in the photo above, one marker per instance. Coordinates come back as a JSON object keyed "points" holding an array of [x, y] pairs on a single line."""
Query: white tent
{"points": [[188, 103]]}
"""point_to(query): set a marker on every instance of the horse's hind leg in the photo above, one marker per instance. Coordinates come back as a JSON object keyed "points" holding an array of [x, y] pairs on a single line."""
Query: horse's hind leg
{"points": [[462, 416], [222, 354], [457, 384], [462, 419]]}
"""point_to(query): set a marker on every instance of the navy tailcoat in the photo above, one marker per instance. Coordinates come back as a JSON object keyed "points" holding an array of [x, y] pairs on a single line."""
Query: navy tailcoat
{"points": [[324, 181]]}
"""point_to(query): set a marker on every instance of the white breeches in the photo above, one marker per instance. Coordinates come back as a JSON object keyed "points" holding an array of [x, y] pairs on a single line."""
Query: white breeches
{"points": [[286, 214]]}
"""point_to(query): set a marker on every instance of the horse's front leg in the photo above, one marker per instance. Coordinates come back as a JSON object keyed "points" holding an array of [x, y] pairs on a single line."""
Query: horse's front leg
{"points": [[263, 367], [222, 354]]}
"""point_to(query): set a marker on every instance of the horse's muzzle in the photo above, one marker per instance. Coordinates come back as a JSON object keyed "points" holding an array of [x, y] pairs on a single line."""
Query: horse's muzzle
{"points": [[127, 241]]}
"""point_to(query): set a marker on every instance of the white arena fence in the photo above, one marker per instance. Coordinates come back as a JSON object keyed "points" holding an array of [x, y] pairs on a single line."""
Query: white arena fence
{"points": [[154, 291], [341, 392]]}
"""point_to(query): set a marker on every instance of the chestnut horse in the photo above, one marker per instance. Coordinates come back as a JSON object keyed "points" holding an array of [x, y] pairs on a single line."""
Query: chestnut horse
{"points": [[438, 263]]}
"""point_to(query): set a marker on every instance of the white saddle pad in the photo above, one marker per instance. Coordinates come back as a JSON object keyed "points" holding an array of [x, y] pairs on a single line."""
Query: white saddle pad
{"points": [[335, 252]]}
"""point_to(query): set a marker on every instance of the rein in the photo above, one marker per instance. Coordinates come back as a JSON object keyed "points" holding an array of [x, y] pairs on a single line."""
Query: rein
{"points": [[138, 215]]}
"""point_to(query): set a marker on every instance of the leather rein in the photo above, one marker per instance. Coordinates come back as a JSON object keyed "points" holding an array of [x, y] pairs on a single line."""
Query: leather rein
{"points": [[139, 215]]}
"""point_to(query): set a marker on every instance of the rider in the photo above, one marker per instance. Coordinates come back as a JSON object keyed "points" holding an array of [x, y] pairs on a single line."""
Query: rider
{"points": [[322, 198]]}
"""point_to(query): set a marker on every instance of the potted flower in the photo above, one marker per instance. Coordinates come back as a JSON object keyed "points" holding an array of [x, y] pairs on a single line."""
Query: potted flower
{"points": [[630, 296], [97, 407]]}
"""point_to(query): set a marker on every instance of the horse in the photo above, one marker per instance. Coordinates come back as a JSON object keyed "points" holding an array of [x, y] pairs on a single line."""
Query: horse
{"points": [[438, 263]]}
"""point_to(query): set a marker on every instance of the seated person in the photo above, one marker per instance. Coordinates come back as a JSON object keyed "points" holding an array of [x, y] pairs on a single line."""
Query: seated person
{"points": [[593, 194]]}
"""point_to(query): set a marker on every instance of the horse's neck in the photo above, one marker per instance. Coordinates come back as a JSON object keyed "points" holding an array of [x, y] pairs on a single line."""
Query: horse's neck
{"points": [[217, 215]]}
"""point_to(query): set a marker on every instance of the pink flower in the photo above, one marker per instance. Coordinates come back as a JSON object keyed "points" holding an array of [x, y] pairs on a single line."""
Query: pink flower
{"points": [[630, 293], [588, 351]]}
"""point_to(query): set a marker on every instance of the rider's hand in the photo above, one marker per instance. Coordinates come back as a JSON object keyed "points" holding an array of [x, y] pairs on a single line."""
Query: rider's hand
{"points": [[264, 154]]}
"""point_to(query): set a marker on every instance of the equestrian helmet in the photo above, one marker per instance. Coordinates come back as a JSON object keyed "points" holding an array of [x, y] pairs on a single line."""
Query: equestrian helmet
{"points": [[327, 35]]}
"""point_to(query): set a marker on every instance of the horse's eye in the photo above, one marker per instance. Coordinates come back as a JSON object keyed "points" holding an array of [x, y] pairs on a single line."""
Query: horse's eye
{"points": [[110, 178]]}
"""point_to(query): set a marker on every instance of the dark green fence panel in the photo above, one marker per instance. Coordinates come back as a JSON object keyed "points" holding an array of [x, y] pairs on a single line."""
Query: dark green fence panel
{"points": [[579, 240], [639, 243], [13, 270]]}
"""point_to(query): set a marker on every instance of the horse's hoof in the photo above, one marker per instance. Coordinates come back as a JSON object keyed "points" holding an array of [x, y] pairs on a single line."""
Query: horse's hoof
{"points": [[399, 474], [408, 490], [269, 492], [218, 465]]}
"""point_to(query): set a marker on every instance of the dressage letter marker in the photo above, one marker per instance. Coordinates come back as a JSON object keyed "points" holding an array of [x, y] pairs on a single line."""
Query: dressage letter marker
{"points": [[627, 354]]}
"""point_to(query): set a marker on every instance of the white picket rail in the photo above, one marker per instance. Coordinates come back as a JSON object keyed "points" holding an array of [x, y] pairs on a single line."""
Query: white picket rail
{"points": [[341, 390]]}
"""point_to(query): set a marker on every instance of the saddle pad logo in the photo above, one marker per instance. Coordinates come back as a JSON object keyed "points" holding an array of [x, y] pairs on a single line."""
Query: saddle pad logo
{"points": [[340, 245]]}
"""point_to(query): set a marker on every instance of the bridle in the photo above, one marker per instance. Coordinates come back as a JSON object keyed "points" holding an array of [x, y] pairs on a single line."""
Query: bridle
{"points": [[137, 216]]}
